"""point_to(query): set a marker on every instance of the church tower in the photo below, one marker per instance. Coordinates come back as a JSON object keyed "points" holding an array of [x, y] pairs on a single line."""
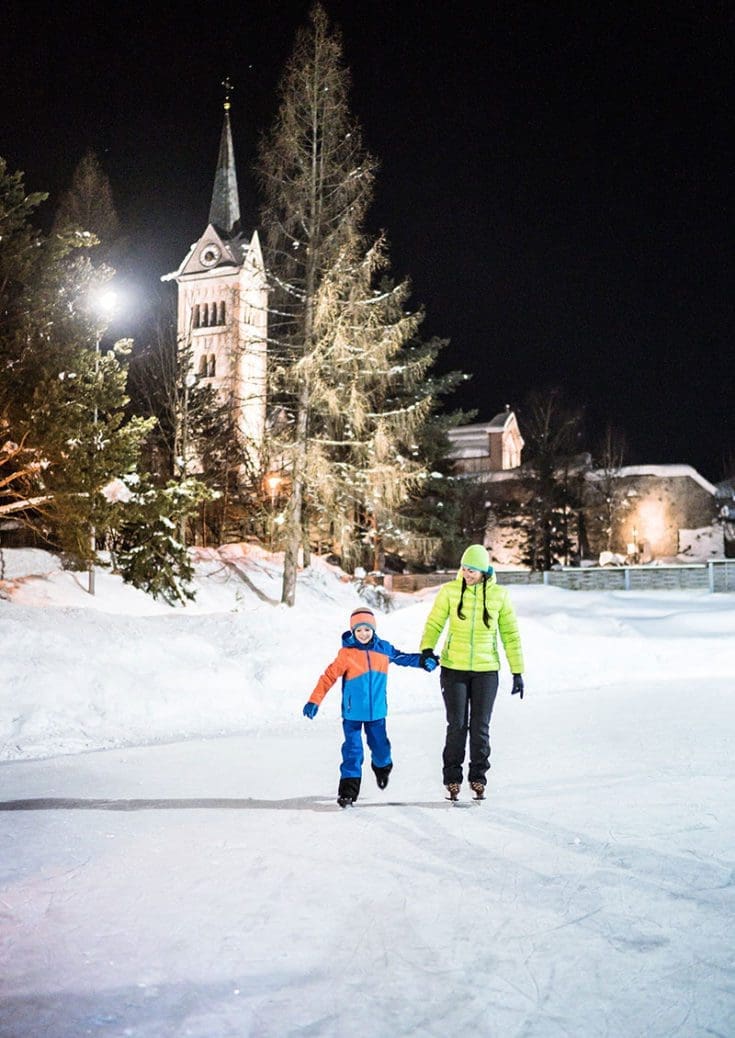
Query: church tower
{"points": [[223, 300]]}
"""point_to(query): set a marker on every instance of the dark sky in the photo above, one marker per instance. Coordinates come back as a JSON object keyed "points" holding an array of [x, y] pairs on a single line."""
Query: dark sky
{"points": [[556, 179]]}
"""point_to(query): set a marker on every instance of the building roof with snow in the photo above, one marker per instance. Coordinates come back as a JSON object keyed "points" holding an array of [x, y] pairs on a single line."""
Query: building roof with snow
{"points": [[487, 446]]}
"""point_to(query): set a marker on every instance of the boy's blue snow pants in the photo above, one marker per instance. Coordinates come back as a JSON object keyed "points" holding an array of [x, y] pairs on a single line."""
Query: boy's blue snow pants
{"points": [[352, 750]]}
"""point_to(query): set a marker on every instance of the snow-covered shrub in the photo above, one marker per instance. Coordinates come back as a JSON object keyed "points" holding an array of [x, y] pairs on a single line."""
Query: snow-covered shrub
{"points": [[148, 550]]}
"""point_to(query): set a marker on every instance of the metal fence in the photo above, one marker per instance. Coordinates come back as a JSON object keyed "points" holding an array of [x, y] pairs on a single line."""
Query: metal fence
{"points": [[717, 575]]}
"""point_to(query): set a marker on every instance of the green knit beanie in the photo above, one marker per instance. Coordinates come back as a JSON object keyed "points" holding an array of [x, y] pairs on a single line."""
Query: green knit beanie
{"points": [[476, 557]]}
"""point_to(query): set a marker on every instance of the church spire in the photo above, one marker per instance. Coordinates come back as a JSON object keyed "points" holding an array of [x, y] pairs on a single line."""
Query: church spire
{"points": [[224, 212]]}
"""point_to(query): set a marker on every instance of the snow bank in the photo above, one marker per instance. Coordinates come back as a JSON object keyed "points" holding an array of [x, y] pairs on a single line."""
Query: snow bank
{"points": [[118, 669]]}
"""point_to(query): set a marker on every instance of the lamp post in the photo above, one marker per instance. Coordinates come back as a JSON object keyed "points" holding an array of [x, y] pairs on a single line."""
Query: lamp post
{"points": [[104, 305]]}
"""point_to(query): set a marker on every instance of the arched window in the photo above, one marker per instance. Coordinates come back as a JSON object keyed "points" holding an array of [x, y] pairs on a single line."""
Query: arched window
{"points": [[212, 365], [196, 316], [203, 366], [221, 319]]}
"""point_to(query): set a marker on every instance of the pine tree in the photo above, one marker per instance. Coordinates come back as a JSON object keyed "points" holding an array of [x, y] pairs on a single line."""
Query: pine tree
{"points": [[343, 365], [61, 398], [369, 401], [87, 206], [145, 542], [551, 478], [79, 418], [317, 181]]}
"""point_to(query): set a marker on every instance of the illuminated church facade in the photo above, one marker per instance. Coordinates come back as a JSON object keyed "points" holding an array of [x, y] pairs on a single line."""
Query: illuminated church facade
{"points": [[222, 313]]}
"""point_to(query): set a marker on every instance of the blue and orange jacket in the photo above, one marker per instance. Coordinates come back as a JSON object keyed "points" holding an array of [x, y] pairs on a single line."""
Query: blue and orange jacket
{"points": [[364, 673]]}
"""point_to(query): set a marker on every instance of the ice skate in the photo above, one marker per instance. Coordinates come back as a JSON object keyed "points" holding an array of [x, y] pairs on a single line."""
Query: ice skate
{"points": [[382, 775]]}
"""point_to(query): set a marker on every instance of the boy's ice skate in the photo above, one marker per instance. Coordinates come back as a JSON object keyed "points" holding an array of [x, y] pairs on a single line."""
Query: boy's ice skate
{"points": [[348, 792], [478, 790], [382, 775], [452, 789]]}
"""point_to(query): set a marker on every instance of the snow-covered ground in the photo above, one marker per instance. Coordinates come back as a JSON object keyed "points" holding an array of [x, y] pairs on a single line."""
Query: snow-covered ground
{"points": [[173, 862]]}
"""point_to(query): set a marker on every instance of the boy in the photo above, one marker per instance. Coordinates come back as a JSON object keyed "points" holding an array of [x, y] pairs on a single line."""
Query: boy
{"points": [[362, 663]]}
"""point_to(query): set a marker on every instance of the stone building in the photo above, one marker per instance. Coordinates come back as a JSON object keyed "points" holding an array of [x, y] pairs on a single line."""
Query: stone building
{"points": [[657, 511], [223, 301], [663, 511]]}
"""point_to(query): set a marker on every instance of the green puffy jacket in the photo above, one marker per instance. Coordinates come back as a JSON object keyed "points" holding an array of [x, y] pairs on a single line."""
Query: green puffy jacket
{"points": [[470, 645]]}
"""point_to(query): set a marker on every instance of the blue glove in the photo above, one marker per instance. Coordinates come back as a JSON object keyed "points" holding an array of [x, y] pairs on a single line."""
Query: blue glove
{"points": [[429, 659], [517, 685], [310, 710]]}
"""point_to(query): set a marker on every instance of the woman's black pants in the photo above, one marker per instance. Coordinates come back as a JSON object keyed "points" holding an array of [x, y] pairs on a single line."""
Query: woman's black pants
{"points": [[469, 697]]}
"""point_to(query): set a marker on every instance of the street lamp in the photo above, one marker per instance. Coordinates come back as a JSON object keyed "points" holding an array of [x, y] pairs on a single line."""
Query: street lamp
{"points": [[104, 304]]}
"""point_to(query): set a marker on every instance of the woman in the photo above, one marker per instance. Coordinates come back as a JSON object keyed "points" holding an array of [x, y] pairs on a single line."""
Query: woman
{"points": [[476, 609]]}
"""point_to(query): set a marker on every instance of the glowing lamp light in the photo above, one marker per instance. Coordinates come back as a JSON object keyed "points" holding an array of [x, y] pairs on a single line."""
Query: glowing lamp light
{"points": [[105, 302]]}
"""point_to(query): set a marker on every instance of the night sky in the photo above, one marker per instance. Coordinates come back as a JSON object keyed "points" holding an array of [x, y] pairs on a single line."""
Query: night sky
{"points": [[556, 179]]}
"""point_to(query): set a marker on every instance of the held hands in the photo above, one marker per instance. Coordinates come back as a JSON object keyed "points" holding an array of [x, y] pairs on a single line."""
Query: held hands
{"points": [[429, 661], [517, 685], [310, 710]]}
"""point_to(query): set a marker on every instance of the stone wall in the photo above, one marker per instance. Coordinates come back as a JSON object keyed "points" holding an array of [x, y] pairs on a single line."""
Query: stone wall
{"points": [[654, 508]]}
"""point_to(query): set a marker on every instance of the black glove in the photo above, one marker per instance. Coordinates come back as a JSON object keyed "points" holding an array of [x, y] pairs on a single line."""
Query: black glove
{"points": [[517, 685], [429, 659]]}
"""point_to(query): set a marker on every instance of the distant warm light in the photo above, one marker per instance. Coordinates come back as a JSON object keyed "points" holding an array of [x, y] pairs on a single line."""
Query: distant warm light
{"points": [[273, 482], [652, 521], [651, 527]]}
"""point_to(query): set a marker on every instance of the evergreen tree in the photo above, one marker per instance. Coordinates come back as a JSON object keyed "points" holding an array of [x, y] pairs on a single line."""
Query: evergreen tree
{"points": [[317, 181], [87, 206], [370, 399], [551, 478], [61, 398], [22, 255], [79, 419], [147, 550], [343, 365], [19, 252]]}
